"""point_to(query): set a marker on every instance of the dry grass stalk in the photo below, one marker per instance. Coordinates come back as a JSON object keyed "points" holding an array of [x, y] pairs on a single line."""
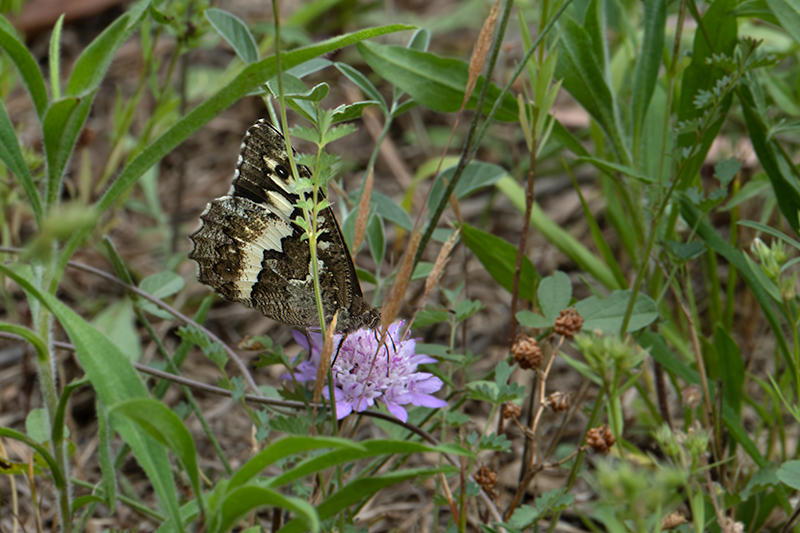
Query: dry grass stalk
{"points": [[363, 212], [324, 360], [394, 299], [482, 46], [441, 262]]}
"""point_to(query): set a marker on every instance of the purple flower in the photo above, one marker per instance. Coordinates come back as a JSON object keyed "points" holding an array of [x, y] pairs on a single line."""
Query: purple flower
{"points": [[366, 371]]}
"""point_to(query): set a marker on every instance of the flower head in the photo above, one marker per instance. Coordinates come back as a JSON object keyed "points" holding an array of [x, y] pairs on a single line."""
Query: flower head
{"points": [[366, 371]]}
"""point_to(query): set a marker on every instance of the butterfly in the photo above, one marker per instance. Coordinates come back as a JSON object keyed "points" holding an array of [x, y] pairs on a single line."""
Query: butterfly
{"points": [[250, 250]]}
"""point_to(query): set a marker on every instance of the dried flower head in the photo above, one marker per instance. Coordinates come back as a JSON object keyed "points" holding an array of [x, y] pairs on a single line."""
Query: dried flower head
{"points": [[672, 521], [691, 396], [366, 371], [558, 401], [511, 410], [569, 323], [526, 352], [487, 479], [601, 439]]}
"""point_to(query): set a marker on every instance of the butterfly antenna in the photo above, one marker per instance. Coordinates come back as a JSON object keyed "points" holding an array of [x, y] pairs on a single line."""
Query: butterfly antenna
{"points": [[339, 347]]}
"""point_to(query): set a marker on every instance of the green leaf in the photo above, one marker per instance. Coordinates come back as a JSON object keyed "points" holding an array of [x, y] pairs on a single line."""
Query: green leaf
{"points": [[365, 488], [118, 322], [579, 68], [162, 284], [11, 155], [731, 365], [26, 65], [648, 61], [789, 473], [717, 36], [554, 294], [386, 208], [162, 424], [499, 258], [783, 178], [607, 314], [61, 126], [245, 499], [36, 425], [236, 32], [529, 319], [91, 66], [787, 14], [611, 168], [114, 380], [376, 239], [433, 81], [363, 83], [726, 170], [283, 448], [477, 175]]}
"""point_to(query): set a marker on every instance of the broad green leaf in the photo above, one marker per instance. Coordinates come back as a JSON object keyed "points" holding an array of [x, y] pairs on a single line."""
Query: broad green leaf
{"points": [[286, 448], [783, 178], [648, 61], [91, 66], [11, 156], [118, 322], [558, 237], [236, 32], [389, 210], [789, 473], [499, 258], [114, 380], [162, 424], [26, 65], [717, 36], [162, 284], [731, 368], [252, 77], [607, 314], [554, 294], [36, 425], [529, 319], [433, 81], [244, 499]]}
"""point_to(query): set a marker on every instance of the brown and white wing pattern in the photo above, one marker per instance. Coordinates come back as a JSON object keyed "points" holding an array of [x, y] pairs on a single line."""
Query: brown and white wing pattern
{"points": [[249, 250]]}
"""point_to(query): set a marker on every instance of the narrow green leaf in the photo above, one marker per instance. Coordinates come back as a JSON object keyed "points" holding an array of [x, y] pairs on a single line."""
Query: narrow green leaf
{"points": [[245, 499], [236, 32], [648, 62], [611, 168], [376, 239], [62, 125], [161, 423], [106, 459], [787, 14], [731, 368], [11, 155], [389, 210], [162, 284], [58, 475], [783, 179], [363, 83], [477, 175], [91, 66], [285, 448], [115, 380], [499, 258], [433, 81], [55, 58], [26, 65]]}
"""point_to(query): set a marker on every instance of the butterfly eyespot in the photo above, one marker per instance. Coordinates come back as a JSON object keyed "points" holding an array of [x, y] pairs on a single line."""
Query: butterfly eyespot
{"points": [[281, 171]]}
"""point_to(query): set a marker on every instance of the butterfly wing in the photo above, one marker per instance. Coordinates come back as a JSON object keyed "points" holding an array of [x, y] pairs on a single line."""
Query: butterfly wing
{"points": [[251, 252]]}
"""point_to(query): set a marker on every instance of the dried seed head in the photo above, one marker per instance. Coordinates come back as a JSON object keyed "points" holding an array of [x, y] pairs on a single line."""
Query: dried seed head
{"points": [[558, 401], [569, 323], [691, 396], [672, 521], [487, 479], [511, 410], [601, 439], [732, 525], [526, 352]]}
